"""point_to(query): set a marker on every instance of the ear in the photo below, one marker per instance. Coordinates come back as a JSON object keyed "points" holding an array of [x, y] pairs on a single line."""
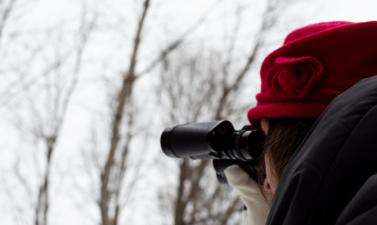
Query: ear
{"points": [[267, 186], [264, 126]]}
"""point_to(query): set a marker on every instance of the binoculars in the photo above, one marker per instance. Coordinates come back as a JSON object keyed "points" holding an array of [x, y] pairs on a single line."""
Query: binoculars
{"points": [[217, 141]]}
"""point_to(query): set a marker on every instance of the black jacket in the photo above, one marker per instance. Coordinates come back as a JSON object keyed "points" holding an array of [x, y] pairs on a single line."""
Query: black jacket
{"points": [[332, 179]]}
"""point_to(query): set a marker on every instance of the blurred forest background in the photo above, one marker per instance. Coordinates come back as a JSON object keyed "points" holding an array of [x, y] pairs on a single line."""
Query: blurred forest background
{"points": [[87, 87]]}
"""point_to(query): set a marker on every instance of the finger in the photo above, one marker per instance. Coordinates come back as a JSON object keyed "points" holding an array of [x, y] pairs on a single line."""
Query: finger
{"points": [[240, 180]]}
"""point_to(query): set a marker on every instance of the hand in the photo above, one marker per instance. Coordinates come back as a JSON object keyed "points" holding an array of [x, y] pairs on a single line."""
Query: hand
{"points": [[250, 194]]}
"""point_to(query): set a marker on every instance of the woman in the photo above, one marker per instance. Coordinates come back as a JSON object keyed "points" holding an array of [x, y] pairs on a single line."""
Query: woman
{"points": [[315, 64]]}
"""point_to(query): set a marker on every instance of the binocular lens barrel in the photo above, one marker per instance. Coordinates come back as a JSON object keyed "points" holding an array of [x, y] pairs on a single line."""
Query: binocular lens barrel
{"points": [[212, 140], [196, 140]]}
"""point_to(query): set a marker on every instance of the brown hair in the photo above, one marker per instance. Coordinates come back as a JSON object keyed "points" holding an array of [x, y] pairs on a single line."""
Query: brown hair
{"points": [[283, 138]]}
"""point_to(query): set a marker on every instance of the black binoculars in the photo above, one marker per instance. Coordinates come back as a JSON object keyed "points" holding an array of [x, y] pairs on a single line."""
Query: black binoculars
{"points": [[217, 141]]}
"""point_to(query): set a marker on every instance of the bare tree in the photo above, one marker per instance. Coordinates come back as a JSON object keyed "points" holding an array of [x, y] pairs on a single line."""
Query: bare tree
{"points": [[48, 115], [6, 9], [61, 101], [112, 173], [193, 90]]}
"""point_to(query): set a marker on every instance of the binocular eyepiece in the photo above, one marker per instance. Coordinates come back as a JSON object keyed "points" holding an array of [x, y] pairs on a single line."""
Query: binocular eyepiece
{"points": [[218, 141]]}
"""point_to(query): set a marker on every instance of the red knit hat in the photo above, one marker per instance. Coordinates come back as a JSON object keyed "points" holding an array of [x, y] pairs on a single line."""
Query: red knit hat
{"points": [[315, 64]]}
